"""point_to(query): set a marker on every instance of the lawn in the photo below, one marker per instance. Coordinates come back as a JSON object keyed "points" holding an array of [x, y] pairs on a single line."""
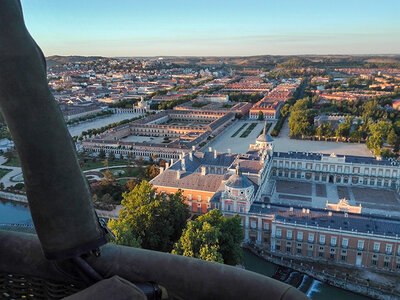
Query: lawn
{"points": [[266, 129], [133, 172], [248, 130], [99, 163], [13, 162], [3, 172], [88, 165], [240, 129]]}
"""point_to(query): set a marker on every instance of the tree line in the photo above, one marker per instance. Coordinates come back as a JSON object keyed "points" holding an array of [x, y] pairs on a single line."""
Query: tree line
{"points": [[158, 221]]}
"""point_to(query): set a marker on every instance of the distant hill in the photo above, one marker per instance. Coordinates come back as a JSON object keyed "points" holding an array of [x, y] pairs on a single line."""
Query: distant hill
{"points": [[59, 60], [259, 61], [289, 61]]}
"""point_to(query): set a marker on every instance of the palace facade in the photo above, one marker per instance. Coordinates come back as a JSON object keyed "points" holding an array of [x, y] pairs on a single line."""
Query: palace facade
{"points": [[340, 233], [166, 134]]}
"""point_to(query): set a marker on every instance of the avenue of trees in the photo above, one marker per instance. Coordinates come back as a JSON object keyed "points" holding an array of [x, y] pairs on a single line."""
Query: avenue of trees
{"points": [[159, 222], [375, 125]]}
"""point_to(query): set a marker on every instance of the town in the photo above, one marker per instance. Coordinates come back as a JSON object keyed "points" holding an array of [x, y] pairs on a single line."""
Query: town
{"points": [[305, 153]]}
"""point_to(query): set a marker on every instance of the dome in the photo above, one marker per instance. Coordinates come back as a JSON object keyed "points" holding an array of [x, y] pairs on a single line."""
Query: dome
{"points": [[264, 137], [238, 181]]}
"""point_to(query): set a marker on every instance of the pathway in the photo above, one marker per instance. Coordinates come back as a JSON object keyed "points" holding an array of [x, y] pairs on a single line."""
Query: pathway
{"points": [[6, 179]]}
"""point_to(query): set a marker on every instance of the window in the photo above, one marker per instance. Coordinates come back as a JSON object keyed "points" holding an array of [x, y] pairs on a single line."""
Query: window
{"points": [[332, 256], [360, 245], [321, 254], [343, 257], [386, 264], [333, 240], [241, 208], [279, 233], [266, 226], [388, 248], [311, 237], [228, 206], [253, 224], [199, 198], [345, 243], [374, 262], [300, 236], [377, 246], [288, 248], [298, 250], [289, 234], [322, 239]]}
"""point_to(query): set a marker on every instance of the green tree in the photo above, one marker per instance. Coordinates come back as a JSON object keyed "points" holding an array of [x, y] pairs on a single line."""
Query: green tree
{"points": [[392, 138], [102, 154], [123, 234], [111, 156], [260, 116], [319, 132], [379, 133], [285, 110], [299, 123], [212, 237], [157, 219]]}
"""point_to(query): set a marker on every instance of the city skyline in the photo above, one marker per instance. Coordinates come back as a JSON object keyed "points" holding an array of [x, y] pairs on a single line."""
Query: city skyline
{"points": [[177, 28]]}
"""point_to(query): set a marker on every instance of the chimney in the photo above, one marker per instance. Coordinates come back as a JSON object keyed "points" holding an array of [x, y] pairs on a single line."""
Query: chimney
{"points": [[178, 174], [183, 164], [172, 161], [166, 165], [209, 149], [215, 154], [203, 171], [161, 170], [193, 148], [229, 150], [191, 156]]}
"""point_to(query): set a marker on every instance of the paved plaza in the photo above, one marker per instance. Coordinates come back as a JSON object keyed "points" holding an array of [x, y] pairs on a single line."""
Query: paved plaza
{"points": [[301, 193], [237, 144], [283, 143]]}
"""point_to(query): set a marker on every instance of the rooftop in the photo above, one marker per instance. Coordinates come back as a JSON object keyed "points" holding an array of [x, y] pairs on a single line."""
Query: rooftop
{"points": [[330, 219]]}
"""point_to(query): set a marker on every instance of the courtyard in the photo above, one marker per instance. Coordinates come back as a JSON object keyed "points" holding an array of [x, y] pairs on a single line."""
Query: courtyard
{"points": [[304, 193], [237, 144], [141, 139]]}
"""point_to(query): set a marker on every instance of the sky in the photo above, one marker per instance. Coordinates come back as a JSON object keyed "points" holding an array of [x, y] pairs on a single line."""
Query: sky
{"points": [[213, 27]]}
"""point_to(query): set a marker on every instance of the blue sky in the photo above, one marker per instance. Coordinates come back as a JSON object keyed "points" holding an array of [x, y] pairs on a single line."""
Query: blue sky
{"points": [[218, 27]]}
